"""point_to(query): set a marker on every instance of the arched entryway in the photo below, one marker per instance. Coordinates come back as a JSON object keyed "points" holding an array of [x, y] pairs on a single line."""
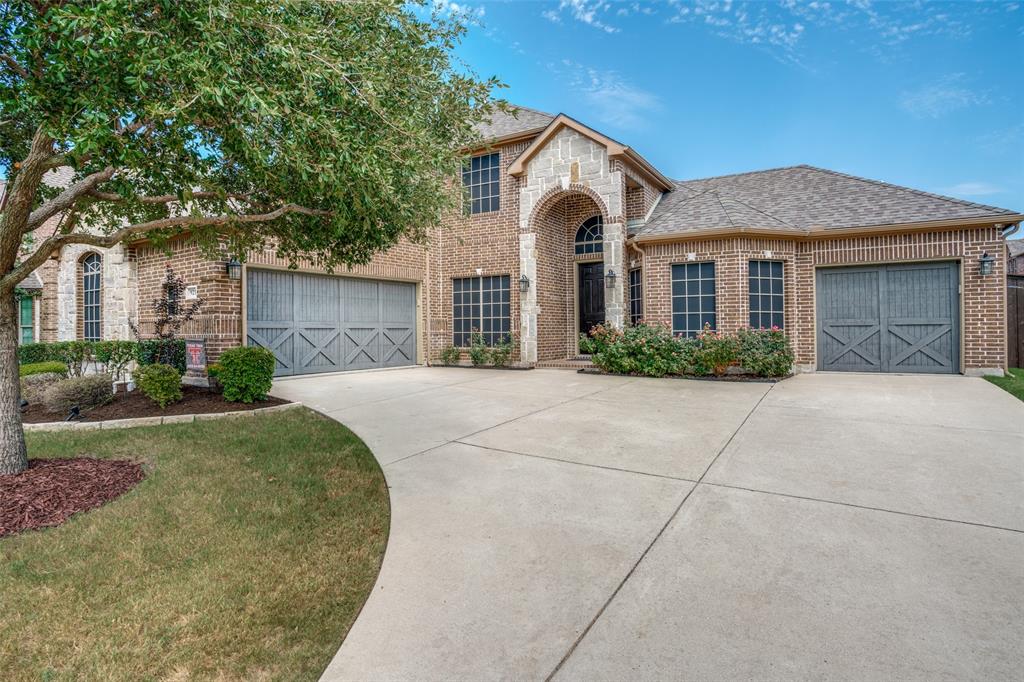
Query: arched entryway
{"points": [[569, 256]]}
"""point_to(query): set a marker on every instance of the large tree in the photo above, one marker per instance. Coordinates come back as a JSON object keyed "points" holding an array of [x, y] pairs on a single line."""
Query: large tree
{"points": [[330, 128]]}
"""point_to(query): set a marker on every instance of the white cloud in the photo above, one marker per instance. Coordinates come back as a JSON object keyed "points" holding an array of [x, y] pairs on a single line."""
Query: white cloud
{"points": [[972, 189], [949, 94], [471, 12], [610, 98], [589, 12]]}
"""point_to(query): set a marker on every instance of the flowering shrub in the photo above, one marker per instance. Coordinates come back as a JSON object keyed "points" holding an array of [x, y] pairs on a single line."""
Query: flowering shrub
{"points": [[714, 353], [764, 352], [651, 350], [501, 352]]}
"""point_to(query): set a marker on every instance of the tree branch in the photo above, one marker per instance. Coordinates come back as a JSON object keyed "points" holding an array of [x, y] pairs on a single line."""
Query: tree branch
{"points": [[14, 66], [67, 198], [161, 199], [52, 244]]}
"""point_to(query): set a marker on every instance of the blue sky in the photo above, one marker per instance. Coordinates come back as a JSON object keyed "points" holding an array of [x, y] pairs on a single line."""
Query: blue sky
{"points": [[922, 94]]}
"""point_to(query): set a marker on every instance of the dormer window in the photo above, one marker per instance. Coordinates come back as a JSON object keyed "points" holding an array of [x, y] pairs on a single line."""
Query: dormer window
{"points": [[481, 178]]}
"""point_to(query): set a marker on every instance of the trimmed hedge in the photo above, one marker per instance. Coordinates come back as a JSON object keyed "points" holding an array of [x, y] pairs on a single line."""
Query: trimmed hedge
{"points": [[160, 383], [163, 352], [246, 373], [32, 353], [49, 367]]}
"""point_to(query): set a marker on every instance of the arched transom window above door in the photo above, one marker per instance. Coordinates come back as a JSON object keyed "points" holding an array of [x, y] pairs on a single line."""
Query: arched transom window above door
{"points": [[590, 236]]}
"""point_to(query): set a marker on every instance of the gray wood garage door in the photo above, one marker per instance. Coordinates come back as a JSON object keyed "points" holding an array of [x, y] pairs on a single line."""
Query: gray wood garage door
{"points": [[889, 318], [318, 323]]}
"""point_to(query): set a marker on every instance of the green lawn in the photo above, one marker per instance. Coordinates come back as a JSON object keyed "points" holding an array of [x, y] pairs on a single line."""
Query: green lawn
{"points": [[1012, 383], [245, 554]]}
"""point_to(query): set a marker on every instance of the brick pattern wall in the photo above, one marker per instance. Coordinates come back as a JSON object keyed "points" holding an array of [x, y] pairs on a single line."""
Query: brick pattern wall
{"points": [[983, 300]]}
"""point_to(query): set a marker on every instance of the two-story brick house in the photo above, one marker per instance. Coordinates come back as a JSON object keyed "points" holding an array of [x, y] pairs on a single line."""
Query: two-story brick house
{"points": [[565, 227]]}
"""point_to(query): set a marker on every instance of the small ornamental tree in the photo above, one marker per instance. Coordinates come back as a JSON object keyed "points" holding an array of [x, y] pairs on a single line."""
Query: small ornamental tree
{"points": [[329, 129]]}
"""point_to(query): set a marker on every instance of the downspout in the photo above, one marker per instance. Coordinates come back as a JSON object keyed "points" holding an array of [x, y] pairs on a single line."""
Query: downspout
{"points": [[1010, 230]]}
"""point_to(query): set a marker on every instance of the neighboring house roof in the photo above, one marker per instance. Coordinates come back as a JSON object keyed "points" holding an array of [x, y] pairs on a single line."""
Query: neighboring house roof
{"points": [[31, 282], [802, 199], [521, 121], [1015, 247]]}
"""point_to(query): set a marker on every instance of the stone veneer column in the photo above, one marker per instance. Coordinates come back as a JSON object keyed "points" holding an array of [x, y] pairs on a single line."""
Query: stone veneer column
{"points": [[614, 260], [528, 300]]}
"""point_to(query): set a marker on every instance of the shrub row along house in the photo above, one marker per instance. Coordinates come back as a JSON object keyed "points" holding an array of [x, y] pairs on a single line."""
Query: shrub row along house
{"points": [[564, 228]]}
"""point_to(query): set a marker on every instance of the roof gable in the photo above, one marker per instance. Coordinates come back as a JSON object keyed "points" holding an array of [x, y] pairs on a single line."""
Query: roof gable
{"points": [[521, 121], [615, 149]]}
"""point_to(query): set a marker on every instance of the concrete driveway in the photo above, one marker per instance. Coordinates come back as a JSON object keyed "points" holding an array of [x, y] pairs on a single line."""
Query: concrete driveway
{"points": [[550, 524]]}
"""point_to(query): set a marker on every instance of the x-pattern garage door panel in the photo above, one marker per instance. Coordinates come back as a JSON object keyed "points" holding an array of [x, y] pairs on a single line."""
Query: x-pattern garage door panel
{"points": [[889, 318], [319, 323]]}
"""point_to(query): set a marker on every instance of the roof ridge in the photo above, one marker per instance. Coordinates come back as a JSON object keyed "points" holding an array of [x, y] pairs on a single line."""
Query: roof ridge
{"points": [[733, 175], [902, 188], [532, 110]]}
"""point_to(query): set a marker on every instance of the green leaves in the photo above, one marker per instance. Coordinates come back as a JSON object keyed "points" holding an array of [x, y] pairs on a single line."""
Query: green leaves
{"points": [[357, 109]]}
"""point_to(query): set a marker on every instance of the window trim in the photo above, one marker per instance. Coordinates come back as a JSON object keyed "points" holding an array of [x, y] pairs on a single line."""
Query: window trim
{"points": [[700, 296], [590, 233], [92, 313], [476, 317], [780, 297], [492, 184]]}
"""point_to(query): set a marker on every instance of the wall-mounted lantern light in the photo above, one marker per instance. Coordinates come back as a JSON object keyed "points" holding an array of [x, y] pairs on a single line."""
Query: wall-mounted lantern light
{"points": [[524, 283], [985, 264], [234, 269], [609, 279]]}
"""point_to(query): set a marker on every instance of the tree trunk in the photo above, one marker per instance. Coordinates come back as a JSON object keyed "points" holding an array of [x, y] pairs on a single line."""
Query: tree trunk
{"points": [[13, 455]]}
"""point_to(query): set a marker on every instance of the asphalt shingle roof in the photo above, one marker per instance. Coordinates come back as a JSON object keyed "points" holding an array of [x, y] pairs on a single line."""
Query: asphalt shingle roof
{"points": [[523, 120], [799, 198], [1015, 247]]}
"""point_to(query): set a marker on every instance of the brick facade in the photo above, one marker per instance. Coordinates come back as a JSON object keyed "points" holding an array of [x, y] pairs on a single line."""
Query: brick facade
{"points": [[983, 308]]}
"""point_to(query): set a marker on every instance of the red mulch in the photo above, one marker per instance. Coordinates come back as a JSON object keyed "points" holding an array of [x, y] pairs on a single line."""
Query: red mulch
{"points": [[195, 400], [51, 491]]}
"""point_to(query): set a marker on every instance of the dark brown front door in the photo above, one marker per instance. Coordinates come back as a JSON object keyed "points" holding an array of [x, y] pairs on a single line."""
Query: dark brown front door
{"points": [[591, 295]]}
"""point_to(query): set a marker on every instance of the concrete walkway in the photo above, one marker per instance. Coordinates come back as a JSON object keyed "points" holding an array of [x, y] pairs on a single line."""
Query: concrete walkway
{"points": [[550, 524]]}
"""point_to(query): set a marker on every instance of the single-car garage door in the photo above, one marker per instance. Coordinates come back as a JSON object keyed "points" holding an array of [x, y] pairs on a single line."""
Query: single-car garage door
{"points": [[319, 323], [889, 318]]}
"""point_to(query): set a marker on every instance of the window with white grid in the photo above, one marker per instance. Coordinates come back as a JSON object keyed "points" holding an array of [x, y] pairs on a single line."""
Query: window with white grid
{"points": [[693, 297], [480, 304]]}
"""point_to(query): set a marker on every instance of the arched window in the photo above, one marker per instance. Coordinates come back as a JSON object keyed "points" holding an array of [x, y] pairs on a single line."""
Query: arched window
{"points": [[590, 236], [92, 268]]}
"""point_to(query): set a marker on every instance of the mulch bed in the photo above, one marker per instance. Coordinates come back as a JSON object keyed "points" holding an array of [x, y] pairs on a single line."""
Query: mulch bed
{"points": [[738, 378], [195, 400], [51, 491]]}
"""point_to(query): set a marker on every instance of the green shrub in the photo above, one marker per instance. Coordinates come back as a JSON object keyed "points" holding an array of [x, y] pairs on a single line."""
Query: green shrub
{"points": [[213, 370], [587, 345], [764, 352], [162, 352], [34, 386], [160, 383], [91, 390], [450, 355], [31, 353], [246, 373], [478, 352], [501, 352], [49, 367], [715, 352], [115, 356]]}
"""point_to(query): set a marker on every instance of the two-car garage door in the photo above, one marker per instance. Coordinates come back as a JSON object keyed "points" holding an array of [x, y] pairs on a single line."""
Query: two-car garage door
{"points": [[319, 323], [889, 318]]}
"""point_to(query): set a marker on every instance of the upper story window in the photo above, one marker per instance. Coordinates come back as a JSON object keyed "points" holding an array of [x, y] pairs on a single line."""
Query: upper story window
{"points": [[92, 267], [590, 236], [766, 300], [481, 178]]}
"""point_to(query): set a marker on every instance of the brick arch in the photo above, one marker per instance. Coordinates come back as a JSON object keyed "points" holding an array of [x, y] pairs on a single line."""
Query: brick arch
{"points": [[556, 194]]}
